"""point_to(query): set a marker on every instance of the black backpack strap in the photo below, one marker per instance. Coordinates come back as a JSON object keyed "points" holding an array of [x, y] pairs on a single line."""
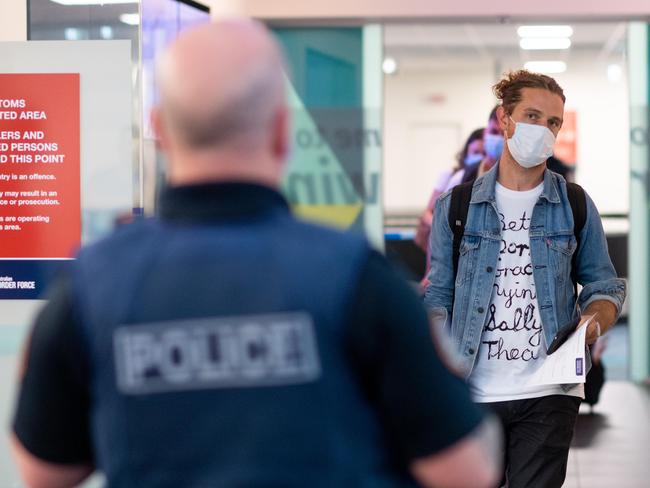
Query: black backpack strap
{"points": [[578, 201], [458, 209]]}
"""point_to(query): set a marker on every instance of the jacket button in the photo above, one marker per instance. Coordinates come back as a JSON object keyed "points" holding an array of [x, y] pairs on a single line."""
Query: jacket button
{"points": [[471, 351], [489, 269], [481, 310]]}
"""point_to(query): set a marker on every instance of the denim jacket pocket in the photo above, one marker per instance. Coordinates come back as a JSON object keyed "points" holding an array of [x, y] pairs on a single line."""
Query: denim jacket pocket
{"points": [[469, 249], [560, 252]]}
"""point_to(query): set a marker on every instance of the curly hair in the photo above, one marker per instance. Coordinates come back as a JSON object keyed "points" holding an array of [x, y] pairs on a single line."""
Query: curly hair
{"points": [[508, 90]]}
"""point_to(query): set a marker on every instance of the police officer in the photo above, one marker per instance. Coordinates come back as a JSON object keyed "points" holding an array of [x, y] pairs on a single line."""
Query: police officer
{"points": [[224, 343]]}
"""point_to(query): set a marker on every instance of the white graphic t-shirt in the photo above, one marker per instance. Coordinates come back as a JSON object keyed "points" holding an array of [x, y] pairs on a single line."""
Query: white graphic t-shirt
{"points": [[512, 343]]}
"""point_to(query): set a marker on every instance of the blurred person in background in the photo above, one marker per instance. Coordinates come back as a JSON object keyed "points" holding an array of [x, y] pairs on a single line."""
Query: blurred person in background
{"points": [[467, 161], [225, 343], [492, 146]]}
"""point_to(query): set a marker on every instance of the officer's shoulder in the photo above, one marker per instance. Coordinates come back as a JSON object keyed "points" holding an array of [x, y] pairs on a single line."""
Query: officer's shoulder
{"points": [[119, 237], [315, 231]]}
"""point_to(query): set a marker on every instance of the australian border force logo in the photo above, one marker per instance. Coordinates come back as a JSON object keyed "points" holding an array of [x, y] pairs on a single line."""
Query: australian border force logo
{"points": [[223, 352]]}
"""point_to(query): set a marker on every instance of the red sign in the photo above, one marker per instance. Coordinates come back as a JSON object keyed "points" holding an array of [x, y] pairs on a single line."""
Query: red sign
{"points": [[40, 208], [567, 139]]}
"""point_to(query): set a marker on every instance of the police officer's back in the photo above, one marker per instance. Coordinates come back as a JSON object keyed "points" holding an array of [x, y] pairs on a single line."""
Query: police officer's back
{"points": [[224, 343]]}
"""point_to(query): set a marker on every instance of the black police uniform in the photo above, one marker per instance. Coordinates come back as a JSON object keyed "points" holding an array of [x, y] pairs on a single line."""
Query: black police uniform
{"points": [[226, 343]]}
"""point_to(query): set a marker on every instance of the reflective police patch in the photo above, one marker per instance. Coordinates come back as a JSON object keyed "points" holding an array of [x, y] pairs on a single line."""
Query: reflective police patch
{"points": [[223, 352]]}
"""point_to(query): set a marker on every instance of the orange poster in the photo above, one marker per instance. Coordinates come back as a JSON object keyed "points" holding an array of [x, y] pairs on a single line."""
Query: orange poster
{"points": [[40, 211]]}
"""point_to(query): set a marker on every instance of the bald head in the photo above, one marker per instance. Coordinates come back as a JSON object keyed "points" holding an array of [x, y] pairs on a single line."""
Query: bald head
{"points": [[221, 91]]}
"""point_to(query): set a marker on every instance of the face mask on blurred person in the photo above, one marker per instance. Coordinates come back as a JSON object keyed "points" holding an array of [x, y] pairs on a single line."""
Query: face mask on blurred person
{"points": [[531, 144], [493, 145], [473, 159]]}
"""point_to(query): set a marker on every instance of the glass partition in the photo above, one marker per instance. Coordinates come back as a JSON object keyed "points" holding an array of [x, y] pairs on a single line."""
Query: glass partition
{"points": [[65, 20], [162, 21], [334, 89]]}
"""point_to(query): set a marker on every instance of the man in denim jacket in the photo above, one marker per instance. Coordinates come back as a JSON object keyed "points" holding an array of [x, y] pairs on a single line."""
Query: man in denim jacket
{"points": [[513, 288]]}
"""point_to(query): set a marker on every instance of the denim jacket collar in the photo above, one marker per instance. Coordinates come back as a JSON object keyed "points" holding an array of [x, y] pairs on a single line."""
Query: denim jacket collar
{"points": [[484, 187]]}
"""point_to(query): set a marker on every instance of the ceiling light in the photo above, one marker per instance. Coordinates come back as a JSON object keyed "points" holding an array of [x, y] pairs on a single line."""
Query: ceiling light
{"points": [[541, 43], [106, 32], [389, 66], [545, 31], [549, 67], [130, 19], [71, 34], [93, 2]]}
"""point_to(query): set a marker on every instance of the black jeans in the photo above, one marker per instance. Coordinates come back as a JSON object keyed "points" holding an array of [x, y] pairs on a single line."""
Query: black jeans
{"points": [[538, 433]]}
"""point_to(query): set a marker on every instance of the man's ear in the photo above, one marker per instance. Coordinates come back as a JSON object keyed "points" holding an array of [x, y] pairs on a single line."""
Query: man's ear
{"points": [[503, 119]]}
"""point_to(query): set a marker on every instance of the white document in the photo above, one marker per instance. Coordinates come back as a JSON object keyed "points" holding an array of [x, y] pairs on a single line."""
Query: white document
{"points": [[567, 364]]}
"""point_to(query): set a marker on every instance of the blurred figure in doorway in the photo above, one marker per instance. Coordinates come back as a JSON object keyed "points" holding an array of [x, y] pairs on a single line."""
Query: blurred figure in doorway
{"points": [[468, 159], [492, 146]]}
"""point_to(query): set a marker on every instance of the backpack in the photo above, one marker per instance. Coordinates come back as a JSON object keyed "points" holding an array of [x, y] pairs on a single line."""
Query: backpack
{"points": [[458, 210]]}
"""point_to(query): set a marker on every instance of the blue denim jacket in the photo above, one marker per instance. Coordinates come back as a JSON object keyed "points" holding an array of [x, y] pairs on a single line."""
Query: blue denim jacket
{"points": [[552, 245]]}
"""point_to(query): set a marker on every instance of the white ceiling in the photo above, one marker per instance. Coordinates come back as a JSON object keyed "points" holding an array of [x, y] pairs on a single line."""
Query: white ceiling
{"points": [[426, 47]]}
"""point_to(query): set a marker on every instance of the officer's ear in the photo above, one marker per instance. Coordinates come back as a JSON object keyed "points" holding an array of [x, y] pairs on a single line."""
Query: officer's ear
{"points": [[159, 130], [280, 135]]}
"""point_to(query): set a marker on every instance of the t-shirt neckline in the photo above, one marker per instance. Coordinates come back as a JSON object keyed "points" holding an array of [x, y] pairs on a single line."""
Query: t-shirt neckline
{"points": [[507, 192]]}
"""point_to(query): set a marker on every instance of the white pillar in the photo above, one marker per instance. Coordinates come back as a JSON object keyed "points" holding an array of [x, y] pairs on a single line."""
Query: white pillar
{"points": [[13, 20], [639, 215], [220, 9]]}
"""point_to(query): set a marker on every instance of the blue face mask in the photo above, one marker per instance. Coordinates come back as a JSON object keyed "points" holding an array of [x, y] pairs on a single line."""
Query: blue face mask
{"points": [[473, 159], [493, 145]]}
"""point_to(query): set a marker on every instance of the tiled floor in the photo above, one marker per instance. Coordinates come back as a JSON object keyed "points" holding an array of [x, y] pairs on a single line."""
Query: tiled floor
{"points": [[610, 446]]}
